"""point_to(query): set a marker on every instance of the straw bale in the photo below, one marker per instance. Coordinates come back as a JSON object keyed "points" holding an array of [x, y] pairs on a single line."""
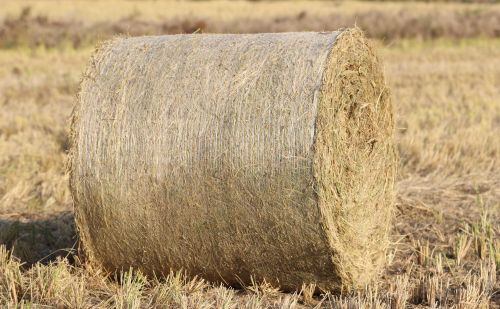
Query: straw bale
{"points": [[236, 156]]}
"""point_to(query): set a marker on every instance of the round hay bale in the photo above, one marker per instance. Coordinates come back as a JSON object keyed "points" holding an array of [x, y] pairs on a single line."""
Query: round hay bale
{"points": [[236, 156]]}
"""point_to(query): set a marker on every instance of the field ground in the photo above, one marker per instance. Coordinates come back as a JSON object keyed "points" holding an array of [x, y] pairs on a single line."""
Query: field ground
{"points": [[446, 247], [82, 23], [218, 11]]}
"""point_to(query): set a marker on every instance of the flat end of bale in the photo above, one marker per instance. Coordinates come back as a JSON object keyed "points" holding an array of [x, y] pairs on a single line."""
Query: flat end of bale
{"points": [[355, 160]]}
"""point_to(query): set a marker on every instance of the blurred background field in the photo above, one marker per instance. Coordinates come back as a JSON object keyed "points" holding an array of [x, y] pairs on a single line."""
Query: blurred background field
{"points": [[442, 62], [82, 23]]}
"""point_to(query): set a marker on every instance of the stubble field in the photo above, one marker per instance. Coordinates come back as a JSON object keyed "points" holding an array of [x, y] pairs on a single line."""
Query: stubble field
{"points": [[445, 249]]}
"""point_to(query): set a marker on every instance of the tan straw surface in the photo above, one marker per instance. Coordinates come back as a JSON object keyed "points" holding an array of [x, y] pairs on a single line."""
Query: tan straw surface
{"points": [[231, 156]]}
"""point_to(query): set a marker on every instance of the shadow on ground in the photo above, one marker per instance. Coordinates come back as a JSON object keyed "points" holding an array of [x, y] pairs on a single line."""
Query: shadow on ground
{"points": [[39, 238]]}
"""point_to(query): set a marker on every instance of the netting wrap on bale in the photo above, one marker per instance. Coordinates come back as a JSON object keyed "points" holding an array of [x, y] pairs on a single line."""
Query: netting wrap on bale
{"points": [[232, 156]]}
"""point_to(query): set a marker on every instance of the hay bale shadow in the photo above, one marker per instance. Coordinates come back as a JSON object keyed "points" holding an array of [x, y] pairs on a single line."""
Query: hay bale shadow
{"points": [[39, 238]]}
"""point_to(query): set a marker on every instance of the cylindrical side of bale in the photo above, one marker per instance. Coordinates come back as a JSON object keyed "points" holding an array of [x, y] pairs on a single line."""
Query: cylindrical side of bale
{"points": [[236, 157]]}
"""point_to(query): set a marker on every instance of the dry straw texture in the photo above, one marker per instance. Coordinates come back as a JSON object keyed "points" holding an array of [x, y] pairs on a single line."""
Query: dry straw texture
{"points": [[236, 156]]}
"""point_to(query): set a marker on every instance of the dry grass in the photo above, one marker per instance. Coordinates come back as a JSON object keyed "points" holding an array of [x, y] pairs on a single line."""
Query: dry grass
{"points": [[220, 11], [445, 249], [76, 23]]}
